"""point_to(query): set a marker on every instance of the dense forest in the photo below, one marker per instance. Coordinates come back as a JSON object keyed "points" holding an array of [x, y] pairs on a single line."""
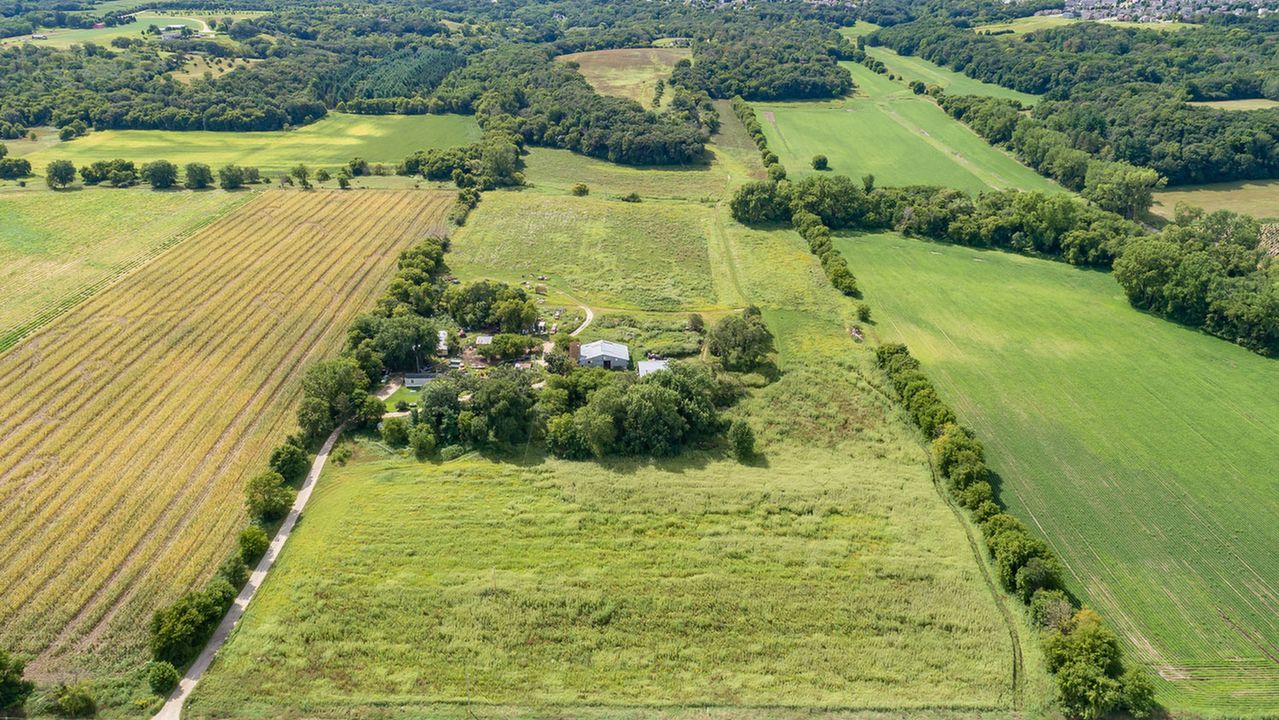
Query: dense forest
{"points": [[1123, 94]]}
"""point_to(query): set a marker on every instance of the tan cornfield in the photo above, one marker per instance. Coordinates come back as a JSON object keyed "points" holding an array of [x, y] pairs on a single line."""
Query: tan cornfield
{"points": [[129, 426]]}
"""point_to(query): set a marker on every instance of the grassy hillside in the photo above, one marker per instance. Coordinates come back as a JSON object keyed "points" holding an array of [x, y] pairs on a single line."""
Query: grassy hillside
{"points": [[629, 72], [132, 423], [58, 249], [888, 131], [331, 142], [1144, 452], [829, 574]]}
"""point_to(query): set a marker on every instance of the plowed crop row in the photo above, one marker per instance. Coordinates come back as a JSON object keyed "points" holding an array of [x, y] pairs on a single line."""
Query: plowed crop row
{"points": [[129, 426]]}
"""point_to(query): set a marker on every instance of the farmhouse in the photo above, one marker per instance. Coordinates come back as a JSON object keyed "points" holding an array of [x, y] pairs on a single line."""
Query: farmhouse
{"points": [[648, 367], [606, 354]]}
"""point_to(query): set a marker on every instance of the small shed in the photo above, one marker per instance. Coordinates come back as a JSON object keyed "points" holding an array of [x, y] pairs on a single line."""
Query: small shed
{"points": [[606, 354], [648, 367], [484, 340], [413, 381]]}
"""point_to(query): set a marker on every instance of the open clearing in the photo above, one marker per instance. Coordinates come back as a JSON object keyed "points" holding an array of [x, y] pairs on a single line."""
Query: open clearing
{"points": [[628, 72], [899, 137], [1259, 198], [197, 65], [1032, 23], [829, 575], [1247, 104], [330, 142], [914, 68], [66, 37], [58, 249], [1143, 451], [132, 423], [616, 254]]}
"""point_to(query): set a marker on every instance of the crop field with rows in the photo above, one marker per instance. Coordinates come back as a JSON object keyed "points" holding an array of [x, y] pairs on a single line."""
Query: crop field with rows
{"points": [[50, 260], [1143, 451], [132, 422]]}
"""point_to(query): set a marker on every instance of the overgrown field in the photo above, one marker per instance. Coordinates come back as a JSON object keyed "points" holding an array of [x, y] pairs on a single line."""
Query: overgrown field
{"points": [[1142, 451], [58, 249], [132, 422], [1259, 198], [629, 72], [1032, 23], [888, 131], [827, 575], [1247, 104], [608, 252], [914, 68], [330, 142]]}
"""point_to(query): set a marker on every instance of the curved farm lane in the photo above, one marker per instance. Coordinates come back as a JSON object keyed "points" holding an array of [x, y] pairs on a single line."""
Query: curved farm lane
{"points": [[590, 315], [172, 709]]}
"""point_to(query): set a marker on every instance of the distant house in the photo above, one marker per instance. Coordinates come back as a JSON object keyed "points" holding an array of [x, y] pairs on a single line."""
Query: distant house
{"points": [[39, 36], [484, 340], [604, 353], [648, 367], [414, 381], [99, 25], [170, 36], [442, 342], [178, 27]]}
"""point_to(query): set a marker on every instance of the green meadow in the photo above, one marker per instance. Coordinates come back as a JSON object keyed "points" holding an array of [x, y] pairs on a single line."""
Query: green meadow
{"points": [[828, 575], [330, 142], [1144, 452], [1259, 198], [1023, 25], [888, 131], [50, 260], [914, 68]]}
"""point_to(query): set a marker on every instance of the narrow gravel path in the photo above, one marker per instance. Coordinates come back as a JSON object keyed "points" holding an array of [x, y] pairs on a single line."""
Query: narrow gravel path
{"points": [[172, 709]]}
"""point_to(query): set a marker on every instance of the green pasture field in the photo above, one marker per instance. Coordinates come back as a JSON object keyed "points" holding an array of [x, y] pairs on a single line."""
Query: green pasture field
{"points": [[56, 249], [1144, 452], [914, 68], [629, 72], [549, 170], [65, 37], [1259, 198], [330, 142], [1032, 23], [899, 137]]}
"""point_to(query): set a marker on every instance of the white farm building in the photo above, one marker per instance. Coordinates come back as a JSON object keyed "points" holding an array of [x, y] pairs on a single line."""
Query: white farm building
{"points": [[606, 354]]}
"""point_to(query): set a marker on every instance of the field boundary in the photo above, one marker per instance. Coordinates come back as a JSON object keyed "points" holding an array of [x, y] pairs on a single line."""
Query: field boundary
{"points": [[10, 337]]}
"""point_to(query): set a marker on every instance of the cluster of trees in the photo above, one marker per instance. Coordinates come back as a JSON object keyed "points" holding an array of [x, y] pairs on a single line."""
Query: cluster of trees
{"points": [[492, 162], [13, 168], [159, 174], [1055, 225], [1207, 271], [1120, 94], [760, 61], [396, 83], [1119, 187], [22, 18], [521, 89], [746, 113], [1083, 655]]}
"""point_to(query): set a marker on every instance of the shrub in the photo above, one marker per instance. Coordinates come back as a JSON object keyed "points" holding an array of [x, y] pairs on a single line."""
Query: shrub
{"points": [[253, 543], [974, 495], [452, 452], [162, 677], [234, 571], [1039, 573], [267, 497], [631, 198], [820, 162], [322, 175], [1137, 694], [160, 174], [231, 177], [580, 189], [742, 439], [863, 312], [1051, 609], [179, 631], [14, 691], [395, 432], [422, 441], [74, 701]]}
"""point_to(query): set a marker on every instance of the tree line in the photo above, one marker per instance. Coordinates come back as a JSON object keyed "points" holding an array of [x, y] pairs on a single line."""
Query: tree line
{"points": [[1204, 270]]}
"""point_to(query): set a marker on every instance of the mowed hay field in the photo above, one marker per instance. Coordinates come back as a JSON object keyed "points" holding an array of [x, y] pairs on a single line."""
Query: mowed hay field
{"points": [[899, 137], [1144, 452], [329, 142], [130, 425], [57, 250], [827, 575], [628, 72], [1259, 198]]}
